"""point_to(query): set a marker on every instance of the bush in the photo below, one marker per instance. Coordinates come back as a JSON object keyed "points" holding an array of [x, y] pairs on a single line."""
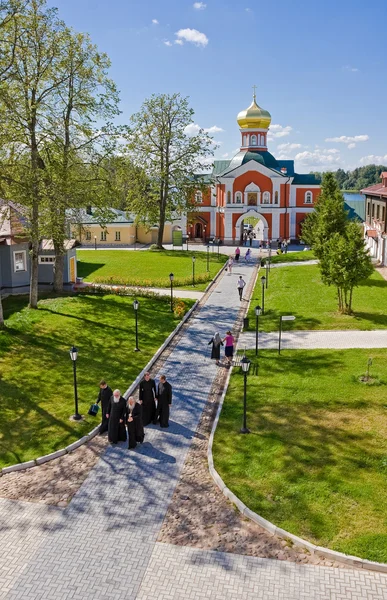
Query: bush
{"points": [[155, 248]]}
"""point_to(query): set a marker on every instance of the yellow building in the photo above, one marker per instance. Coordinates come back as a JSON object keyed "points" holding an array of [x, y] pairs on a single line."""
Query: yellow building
{"points": [[120, 231]]}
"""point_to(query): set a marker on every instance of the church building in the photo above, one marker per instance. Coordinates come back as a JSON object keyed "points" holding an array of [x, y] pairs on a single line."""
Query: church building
{"points": [[253, 184]]}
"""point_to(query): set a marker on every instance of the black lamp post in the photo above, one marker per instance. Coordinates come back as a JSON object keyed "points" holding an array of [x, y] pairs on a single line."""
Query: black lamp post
{"points": [[74, 356], [258, 311], [193, 271], [171, 278], [267, 273], [208, 257], [95, 242], [135, 306], [263, 280], [269, 258], [245, 364], [204, 234], [283, 318]]}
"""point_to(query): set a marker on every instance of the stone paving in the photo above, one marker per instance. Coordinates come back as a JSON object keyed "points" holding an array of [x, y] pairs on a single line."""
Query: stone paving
{"points": [[103, 545], [293, 340]]}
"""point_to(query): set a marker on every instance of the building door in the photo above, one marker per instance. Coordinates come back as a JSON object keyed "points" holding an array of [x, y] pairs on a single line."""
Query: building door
{"points": [[73, 269], [198, 230]]}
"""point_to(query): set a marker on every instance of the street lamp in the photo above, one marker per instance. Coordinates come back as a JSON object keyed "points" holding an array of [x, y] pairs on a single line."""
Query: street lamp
{"points": [[135, 306], [283, 318], [193, 271], [267, 273], [171, 278], [258, 311], [263, 280], [269, 258], [204, 233], [74, 356], [245, 364], [208, 257], [95, 242]]}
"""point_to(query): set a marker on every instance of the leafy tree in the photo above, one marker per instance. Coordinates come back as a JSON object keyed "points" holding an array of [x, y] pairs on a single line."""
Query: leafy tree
{"points": [[165, 158]]}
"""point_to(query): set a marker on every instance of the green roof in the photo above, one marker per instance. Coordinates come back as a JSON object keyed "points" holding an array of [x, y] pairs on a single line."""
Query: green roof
{"points": [[308, 179], [220, 166]]}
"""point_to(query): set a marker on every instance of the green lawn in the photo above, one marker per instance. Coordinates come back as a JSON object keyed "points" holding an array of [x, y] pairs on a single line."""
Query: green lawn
{"points": [[298, 291], [293, 257], [36, 379], [148, 268], [315, 462]]}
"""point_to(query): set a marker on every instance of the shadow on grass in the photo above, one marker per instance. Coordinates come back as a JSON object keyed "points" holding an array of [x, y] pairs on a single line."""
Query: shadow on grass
{"points": [[84, 269]]}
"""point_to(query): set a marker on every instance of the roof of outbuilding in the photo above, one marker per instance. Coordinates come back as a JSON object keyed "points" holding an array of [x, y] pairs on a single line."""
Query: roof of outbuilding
{"points": [[83, 217]]}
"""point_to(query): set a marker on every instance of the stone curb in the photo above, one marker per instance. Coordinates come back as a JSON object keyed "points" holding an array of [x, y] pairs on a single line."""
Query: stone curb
{"points": [[43, 459], [267, 525]]}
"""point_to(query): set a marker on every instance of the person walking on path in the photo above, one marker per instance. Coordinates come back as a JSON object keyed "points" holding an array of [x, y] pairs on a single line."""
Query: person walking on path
{"points": [[134, 423], [164, 401], [237, 254], [229, 349], [240, 285], [230, 263], [216, 344], [104, 395], [116, 415], [248, 255], [147, 397]]}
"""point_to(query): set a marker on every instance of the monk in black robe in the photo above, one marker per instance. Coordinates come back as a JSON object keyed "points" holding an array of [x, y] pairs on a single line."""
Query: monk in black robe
{"points": [[134, 423], [116, 416], [105, 393], [147, 398], [164, 401]]}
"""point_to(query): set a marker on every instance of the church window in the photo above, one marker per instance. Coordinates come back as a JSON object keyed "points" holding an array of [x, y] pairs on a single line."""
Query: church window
{"points": [[253, 141], [228, 197], [198, 197], [308, 198], [266, 198], [275, 197], [238, 198], [262, 140]]}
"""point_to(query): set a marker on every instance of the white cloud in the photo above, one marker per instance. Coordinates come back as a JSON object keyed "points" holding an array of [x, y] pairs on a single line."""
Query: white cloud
{"points": [[373, 159], [155, 22], [194, 128], [318, 159], [288, 146], [248, 10], [179, 42], [168, 43], [348, 139], [332, 151], [199, 5], [226, 155], [351, 69], [193, 36], [213, 129], [277, 131], [351, 146]]}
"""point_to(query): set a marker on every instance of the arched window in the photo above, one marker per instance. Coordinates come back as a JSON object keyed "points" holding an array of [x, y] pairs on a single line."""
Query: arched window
{"points": [[308, 198], [262, 142], [266, 198], [238, 198], [275, 197], [198, 197], [228, 197], [253, 140]]}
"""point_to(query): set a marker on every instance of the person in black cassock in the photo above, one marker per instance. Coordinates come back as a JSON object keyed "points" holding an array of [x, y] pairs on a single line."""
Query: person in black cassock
{"points": [[147, 398], [105, 393], [116, 416], [134, 423], [164, 401]]}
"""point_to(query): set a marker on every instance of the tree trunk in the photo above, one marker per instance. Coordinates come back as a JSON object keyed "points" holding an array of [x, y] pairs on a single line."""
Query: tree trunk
{"points": [[34, 274], [58, 268], [160, 233], [2, 325], [350, 299]]}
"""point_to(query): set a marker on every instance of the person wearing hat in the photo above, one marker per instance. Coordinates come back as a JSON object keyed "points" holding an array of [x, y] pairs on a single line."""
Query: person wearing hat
{"points": [[164, 401], [105, 393], [147, 396], [116, 416], [134, 423]]}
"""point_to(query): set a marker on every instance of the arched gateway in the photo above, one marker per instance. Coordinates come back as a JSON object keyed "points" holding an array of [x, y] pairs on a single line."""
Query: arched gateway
{"points": [[256, 215]]}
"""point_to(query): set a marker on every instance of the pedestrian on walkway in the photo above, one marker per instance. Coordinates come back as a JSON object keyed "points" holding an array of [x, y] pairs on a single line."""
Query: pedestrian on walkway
{"points": [[116, 416], [251, 237], [134, 423], [229, 349], [164, 401], [240, 285], [248, 255], [230, 264], [147, 396], [237, 254], [216, 344], [104, 395]]}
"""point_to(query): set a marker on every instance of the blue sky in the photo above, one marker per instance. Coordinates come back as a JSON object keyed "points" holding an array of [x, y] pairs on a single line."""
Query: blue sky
{"points": [[320, 68]]}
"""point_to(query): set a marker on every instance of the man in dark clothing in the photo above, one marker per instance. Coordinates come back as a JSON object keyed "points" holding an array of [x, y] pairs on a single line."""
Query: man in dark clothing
{"points": [[147, 398], [116, 415], [105, 393], [134, 423], [164, 401]]}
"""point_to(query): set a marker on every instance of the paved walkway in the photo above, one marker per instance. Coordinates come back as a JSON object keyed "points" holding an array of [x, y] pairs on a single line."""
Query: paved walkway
{"points": [[298, 340], [103, 545]]}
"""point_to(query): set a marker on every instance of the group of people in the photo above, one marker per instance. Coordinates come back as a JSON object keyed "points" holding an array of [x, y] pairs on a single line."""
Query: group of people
{"points": [[228, 342], [230, 262], [125, 419]]}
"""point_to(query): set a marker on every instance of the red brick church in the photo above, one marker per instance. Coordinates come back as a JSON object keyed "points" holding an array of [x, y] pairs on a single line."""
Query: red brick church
{"points": [[253, 184]]}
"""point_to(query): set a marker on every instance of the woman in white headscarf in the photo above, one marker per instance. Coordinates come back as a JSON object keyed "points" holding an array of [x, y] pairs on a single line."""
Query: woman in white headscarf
{"points": [[216, 342]]}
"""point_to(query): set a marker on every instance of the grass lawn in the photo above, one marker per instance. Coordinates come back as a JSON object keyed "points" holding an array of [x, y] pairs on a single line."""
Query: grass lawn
{"points": [[298, 291], [36, 378], [148, 268], [315, 462], [293, 257]]}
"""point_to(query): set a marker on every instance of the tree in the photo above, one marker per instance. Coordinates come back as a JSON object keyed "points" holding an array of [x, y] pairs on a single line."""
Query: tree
{"points": [[165, 158], [345, 263]]}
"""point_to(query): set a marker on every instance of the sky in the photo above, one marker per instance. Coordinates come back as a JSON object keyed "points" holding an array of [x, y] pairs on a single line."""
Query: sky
{"points": [[320, 68]]}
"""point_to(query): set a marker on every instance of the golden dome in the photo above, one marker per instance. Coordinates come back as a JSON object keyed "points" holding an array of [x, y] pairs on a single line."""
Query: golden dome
{"points": [[254, 117]]}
